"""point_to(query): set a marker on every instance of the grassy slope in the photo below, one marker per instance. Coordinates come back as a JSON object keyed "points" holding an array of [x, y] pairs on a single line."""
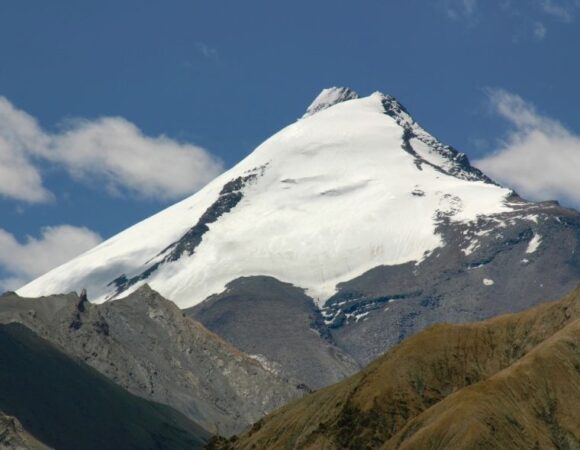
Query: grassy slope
{"points": [[68, 405], [535, 403], [416, 391]]}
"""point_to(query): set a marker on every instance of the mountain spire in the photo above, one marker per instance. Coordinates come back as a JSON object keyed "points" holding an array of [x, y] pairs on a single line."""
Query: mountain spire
{"points": [[329, 97]]}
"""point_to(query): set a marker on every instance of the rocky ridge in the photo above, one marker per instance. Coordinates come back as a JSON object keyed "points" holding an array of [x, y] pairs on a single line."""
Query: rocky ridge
{"points": [[147, 345]]}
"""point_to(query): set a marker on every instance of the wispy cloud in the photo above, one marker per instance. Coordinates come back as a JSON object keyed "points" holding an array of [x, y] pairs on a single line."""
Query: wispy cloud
{"points": [[460, 9], [530, 19], [564, 10], [56, 245], [540, 158], [539, 30], [110, 152], [207, 51]]}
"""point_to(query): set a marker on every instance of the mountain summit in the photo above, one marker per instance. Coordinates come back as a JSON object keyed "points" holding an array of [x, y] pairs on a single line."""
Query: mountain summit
{"points": [[354, 184], [329, 97]]}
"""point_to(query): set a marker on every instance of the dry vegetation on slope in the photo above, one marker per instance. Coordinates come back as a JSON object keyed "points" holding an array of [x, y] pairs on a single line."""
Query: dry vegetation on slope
{"points": [[509, 382]]}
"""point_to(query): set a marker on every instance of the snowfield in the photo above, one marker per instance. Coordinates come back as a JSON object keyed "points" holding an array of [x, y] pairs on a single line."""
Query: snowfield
{"points": [[334, 195]]}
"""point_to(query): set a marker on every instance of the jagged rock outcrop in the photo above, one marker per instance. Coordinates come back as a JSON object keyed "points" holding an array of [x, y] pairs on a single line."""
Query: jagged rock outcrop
{"points": [[147, 345]]}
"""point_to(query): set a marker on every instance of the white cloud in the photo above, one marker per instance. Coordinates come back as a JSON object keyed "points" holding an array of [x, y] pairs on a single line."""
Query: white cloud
{"points": [[56, 245], [110, 152], [540, 158], [19, 178], [115, 152]]}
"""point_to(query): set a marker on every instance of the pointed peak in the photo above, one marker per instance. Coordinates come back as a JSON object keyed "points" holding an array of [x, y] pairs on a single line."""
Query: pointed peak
{"points": [[145, 289], [329, 97]]}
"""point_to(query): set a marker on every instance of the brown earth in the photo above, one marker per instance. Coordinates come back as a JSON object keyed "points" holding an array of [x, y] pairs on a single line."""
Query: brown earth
{"points": [[512, 382]]}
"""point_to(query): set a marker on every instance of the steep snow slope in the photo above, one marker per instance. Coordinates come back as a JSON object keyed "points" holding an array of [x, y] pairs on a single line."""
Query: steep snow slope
{"points": [[353, 185]]}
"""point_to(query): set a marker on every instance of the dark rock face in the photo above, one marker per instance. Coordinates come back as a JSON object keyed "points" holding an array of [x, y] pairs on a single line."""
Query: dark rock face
{"points": [[147, 345], [277, 322], [68, 405]]}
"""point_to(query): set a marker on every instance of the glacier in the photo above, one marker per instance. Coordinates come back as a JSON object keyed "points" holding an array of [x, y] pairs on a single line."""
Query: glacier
{"points": [[354, 184]]}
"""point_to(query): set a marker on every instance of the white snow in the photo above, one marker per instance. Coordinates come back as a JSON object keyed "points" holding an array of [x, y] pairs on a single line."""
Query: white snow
{"points": [[428, 154], [531, 217], [473, 245], [360, 316], [333, 202], [534, 243], [488, 282]]}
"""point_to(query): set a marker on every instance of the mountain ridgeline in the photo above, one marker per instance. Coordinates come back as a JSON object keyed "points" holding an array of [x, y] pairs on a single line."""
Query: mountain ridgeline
{"points": [[145, 344]]}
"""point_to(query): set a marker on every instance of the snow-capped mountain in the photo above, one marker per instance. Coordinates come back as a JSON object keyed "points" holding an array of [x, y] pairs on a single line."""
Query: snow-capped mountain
{"points": [[354, 184], [335, 239]]}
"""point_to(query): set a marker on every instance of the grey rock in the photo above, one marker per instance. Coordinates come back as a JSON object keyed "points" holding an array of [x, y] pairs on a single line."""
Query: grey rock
{"points": [[279, 322], [147, 345], [68, 405]]}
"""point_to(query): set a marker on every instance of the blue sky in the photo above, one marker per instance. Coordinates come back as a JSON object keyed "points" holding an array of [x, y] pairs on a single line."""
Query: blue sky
{"points": [[112, 110]]}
